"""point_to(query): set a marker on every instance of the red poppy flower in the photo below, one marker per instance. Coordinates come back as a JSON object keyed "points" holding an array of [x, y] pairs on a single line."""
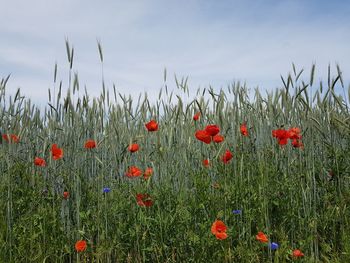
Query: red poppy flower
{"points": [[148, 173], [282, 141], [66, 195], [39, 162], [144, 200], [262, 237], [219, 229], [5, 137], [57, 153], [206, 162], [227, 156], [133, 172], [80, 246], [281, 135], [274, 133], [152, 126], [13, 138], [196, 116], [134, 147], [294, 133], [212, 130], [244, 130], [297, 143], [90, 144], [203, 136], [297, 253], [218, 138]]}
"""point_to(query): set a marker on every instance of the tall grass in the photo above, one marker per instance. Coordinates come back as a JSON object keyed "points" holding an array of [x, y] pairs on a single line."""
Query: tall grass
{"points": [[285, 192]]}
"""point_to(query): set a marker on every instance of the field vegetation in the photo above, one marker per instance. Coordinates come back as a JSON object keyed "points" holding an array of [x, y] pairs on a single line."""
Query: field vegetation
{"points": [[230, 175]]}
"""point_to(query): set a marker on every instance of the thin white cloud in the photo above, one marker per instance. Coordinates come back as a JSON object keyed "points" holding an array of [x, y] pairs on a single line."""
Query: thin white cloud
{"points": [[254, 43]]}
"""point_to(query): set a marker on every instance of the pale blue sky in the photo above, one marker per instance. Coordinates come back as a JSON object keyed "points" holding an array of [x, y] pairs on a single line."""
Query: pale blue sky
{"points": [[212, 42]]}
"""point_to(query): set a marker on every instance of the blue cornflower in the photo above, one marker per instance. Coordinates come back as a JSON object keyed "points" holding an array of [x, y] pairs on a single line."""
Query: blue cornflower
{"points": [[237, 212], [106, 190], [273, 246]]}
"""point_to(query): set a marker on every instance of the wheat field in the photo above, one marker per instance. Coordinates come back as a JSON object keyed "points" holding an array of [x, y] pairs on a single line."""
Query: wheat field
{"points": [[228, 176]]}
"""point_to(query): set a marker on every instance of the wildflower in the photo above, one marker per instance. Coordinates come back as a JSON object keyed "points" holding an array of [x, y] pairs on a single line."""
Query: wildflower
{"points": [[206, 163], [261, 237], [219, 229], [152, 126], [294, 133], [90, 144], [106, 189], [66, 195], [212, 130], [237, 212], [196, 116], [39, 162], [218, 138], [5, 137], [134, 147], [227, 156], [297, 143], [281, 135], [244, 130], [80, 246], [133, 172], [144, 200], [297, 253], [57, 153], [273, 246], [276, 133], [13, 138], [148, 173], [203, 136]]}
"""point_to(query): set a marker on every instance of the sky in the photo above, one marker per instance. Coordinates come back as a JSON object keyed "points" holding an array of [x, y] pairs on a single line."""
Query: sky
{"points": [[212, 42]]}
